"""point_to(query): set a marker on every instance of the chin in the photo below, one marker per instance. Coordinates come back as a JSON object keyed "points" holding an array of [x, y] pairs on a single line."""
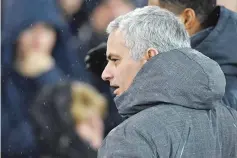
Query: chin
{"points": [[120, 93]]}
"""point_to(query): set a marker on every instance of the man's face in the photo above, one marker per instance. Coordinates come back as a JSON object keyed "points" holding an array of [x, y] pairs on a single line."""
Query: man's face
{"points": [[121, 68]]}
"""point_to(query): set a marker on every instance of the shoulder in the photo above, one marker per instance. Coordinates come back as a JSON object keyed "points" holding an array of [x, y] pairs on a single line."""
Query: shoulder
{"points": [[129, 139], [146, 123], [142, 134]]}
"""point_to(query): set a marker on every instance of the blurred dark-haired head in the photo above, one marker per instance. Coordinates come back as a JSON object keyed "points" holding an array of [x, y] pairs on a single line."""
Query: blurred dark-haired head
{"points": [[58, 110], [193, 13]]}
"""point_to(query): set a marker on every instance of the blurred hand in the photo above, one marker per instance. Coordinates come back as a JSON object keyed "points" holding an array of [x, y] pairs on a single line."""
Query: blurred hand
{"points": [[96, 59], [34, 49], [88, 111], [92, 131]]}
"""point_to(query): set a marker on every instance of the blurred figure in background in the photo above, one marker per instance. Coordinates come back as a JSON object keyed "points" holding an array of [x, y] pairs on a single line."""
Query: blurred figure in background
{"points": [[91, 30], [67, 117], [36, 51], [70, 7], [213, 31]]}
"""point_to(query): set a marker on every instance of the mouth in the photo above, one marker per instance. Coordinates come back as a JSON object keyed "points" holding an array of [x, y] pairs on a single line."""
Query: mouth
{"points": [[115, 89]]}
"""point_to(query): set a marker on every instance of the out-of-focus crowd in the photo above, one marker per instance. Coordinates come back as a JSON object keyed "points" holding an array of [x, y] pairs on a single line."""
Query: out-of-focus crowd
{"points": [[52, 106], [46, 105]]}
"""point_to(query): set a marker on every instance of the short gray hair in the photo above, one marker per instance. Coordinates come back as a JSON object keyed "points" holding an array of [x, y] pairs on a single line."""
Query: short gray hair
{"points": [[150, 27]]}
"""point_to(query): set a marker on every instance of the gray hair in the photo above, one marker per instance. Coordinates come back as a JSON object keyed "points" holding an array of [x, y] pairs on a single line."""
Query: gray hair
{"points": [[150, 27]]}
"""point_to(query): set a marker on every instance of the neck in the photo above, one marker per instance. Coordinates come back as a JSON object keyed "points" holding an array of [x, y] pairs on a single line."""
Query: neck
{"points": [[211, 20], [197, 28]]}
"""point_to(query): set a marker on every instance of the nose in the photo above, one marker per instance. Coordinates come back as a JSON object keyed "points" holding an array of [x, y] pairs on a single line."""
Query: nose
{"points": [[106, 74]]}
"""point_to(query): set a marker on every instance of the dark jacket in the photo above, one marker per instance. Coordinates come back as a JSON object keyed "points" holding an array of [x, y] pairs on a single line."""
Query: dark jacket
{"points": [[218, 42], [174, 109], [19, 91]]}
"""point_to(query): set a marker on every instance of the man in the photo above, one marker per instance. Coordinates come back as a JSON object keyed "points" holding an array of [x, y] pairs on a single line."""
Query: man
{"points": [[213, 32], [169, 94]]}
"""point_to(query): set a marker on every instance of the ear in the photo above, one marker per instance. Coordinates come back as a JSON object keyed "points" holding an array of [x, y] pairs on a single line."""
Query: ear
{"points": [[151, 52], [188, 17]]}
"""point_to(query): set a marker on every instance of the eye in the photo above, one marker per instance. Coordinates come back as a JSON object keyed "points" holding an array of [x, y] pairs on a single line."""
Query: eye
{"points": [[114, 60]]}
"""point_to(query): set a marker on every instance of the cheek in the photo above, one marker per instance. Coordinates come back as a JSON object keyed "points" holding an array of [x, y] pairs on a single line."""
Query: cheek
{"points": [[127, 74], [24, 43], [133, 69], [25, 39], [46, 40]]}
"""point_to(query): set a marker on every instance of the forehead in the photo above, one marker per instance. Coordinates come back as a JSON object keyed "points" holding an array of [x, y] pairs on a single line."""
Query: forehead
{"points": [[116, 44]]}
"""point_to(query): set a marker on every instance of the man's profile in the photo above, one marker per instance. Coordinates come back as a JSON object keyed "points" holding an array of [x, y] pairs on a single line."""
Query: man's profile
{"points": [[169, 94]]}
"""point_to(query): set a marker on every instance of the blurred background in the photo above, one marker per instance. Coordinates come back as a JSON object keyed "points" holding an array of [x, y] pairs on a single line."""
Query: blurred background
{"points": [[44, 44]]}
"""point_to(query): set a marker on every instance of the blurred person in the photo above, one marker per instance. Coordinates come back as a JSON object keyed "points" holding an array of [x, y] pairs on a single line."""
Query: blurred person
{"points": [[70, 7], [169, 94], [100, 17], [89, 22], [64, 111], [96, 59], [81, 28], [213, 32], [36, 51]]}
